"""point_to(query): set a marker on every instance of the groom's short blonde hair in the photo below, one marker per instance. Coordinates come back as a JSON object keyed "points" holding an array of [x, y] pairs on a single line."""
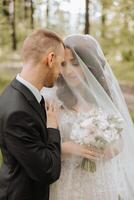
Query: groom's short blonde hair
{"points": [[38, 43]]}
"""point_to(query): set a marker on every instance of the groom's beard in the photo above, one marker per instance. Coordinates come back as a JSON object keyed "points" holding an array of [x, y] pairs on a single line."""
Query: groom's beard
{"points": [[52, 82], [50, 86]]}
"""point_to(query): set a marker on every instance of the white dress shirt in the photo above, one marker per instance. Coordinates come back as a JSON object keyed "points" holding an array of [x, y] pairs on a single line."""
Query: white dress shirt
{"points": [[31, 87]]}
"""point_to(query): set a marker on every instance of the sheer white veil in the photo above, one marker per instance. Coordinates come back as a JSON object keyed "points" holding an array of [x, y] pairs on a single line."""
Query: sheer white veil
{"points": [[97, 88]]}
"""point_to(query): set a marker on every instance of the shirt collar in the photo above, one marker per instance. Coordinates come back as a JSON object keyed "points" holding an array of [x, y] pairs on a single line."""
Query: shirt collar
{"points": [[31, 87]]}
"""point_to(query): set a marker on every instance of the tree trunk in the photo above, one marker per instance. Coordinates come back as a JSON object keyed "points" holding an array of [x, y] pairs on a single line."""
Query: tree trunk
{"points": [[47, 14], [5, 5], [32, 12], [25, 9], [103, 21], [87, 22], [13, 25]]}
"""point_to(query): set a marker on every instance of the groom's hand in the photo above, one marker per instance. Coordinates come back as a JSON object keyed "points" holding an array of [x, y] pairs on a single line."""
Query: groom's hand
{"points": [[51, 115]]}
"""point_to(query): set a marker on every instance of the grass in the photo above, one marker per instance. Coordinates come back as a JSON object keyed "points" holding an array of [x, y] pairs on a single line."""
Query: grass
{"points": [[124, 71], [3, 83], [132, 114], [6, 75], [0, 158]]}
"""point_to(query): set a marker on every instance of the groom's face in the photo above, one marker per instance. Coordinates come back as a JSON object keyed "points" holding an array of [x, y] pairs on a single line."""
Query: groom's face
{"points": [[55, 64]]}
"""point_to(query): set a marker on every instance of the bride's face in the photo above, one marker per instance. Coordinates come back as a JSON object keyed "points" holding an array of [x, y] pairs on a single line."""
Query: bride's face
{"points": [[71, 70]]}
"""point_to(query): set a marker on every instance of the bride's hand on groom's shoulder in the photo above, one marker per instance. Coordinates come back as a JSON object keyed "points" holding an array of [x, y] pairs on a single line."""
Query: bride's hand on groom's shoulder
{"points": [[72, 148], [51, 110]]}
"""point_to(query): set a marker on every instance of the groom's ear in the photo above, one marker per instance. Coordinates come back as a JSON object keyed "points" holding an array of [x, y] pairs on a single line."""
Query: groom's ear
{"points": [[50, 59]]}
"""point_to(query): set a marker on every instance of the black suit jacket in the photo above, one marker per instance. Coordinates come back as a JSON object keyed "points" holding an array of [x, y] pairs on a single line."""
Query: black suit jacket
{"points": [[31, 151]]}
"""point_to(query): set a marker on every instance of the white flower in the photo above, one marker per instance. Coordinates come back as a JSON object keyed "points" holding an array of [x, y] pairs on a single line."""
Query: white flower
{"points": [[86, 124], [103, 125], [96, 128]]}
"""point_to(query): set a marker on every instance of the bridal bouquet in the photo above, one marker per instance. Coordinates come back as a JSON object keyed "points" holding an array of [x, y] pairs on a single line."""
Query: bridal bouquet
{"points": [[97, 129]]}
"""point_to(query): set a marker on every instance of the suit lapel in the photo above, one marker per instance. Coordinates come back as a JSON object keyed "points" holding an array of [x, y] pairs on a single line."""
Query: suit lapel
{"points": [[36, 106], [30, 98]]}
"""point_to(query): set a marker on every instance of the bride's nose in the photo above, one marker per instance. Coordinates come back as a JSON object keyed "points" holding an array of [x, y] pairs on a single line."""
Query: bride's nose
{"points": [[69, 70]]}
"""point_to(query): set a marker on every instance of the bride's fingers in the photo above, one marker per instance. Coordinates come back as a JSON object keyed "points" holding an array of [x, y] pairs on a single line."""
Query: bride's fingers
{"points": [[94, 149], [47, 105], [94, 156], [89, 152], [51, 104], [90, 157], [92, 153], [55, 107]]}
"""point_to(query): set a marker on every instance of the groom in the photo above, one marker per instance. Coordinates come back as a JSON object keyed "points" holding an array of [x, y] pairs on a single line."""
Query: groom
{"points": [[29, 135]]}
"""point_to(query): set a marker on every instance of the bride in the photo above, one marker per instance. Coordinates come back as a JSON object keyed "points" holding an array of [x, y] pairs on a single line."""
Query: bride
{"points": [[96, 129]]}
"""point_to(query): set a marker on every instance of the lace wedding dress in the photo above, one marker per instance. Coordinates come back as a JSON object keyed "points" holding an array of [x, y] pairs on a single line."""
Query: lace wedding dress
{"points": [[107, 183], [87, 80]]}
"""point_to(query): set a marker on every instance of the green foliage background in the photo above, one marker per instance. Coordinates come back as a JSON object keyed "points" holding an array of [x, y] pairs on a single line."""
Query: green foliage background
{"points": [[111, 22]]}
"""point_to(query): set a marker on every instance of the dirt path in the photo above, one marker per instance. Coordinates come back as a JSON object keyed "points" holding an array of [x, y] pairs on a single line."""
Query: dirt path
{"points": [[128, 92]]}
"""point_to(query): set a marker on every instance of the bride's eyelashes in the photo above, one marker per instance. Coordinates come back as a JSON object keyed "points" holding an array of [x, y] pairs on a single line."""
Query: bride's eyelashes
{"points": [[74, 62]]}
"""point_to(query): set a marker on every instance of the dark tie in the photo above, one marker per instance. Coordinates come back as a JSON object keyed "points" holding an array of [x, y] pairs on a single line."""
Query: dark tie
{"points": [[42, 103]]}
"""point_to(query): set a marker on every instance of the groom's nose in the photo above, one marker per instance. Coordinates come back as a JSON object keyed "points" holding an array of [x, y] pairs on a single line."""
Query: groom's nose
{"points": [[60, 70], [60, 75]]}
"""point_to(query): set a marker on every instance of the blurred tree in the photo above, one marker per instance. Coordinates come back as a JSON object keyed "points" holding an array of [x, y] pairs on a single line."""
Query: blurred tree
{"points": [[87, 21], [25, 9], [105, 8], [32, 12], [58, 19], [5, 4], [12, 22], [103, 19], [4, 23], [126, 13], [47, 13], [112, 22]]}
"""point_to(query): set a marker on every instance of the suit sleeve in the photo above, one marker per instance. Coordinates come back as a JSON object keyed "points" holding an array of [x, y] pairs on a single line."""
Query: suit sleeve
{"points": [[41, 161]]}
